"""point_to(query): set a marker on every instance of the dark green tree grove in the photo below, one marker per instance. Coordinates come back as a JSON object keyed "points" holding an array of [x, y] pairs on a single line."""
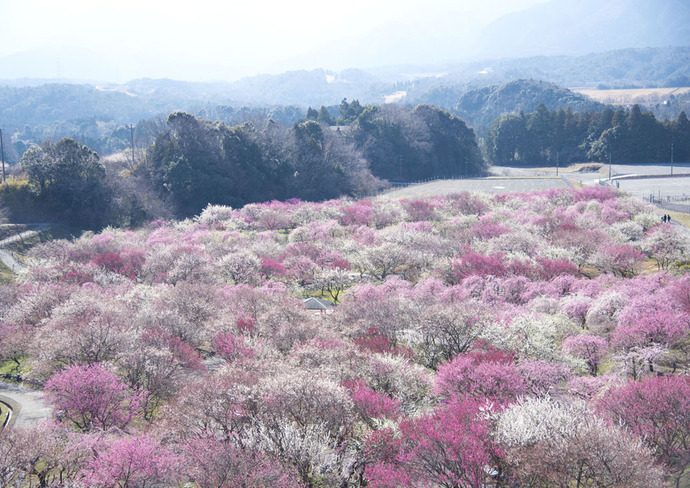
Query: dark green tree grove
{"points": [[68, 182], [406, 145], [197, 162], [546, 137]]}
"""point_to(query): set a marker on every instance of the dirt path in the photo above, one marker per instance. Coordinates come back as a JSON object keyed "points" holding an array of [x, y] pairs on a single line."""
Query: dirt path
{"points": [[34, 406]]}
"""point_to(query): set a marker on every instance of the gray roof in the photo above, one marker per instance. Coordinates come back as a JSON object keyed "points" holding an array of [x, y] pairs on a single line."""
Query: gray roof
{"points": [[317, 303]]}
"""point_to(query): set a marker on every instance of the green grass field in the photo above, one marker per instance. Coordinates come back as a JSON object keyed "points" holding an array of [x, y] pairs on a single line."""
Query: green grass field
{"points": [[4, 413]]}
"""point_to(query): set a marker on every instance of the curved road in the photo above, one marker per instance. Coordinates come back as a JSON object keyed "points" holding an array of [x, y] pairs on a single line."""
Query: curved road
{"points": [[34, 406], [7, 257]]}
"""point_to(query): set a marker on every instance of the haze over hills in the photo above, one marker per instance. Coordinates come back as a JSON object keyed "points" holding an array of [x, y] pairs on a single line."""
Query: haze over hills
{"points": [[587, 26], [434, 34]]}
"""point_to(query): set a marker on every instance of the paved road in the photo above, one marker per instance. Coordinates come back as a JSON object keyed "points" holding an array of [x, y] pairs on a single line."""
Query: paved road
{"points": [[8, 258], [34, 406]]}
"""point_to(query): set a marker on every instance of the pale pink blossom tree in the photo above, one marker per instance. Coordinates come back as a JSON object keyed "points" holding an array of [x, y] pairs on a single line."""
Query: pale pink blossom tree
{"points": [[132, 462]]}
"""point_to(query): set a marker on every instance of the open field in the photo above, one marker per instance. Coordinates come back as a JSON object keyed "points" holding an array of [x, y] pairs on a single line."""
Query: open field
{"points": [[631, 96]]}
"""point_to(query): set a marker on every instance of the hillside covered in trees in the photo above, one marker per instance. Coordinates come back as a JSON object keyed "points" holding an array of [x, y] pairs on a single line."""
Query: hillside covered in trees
{"points": [[482, 107], [528, 339]]}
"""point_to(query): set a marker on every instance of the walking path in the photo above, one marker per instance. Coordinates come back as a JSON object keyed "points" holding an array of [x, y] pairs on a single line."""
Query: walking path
{"points": [[7, 257], [33, 405]]}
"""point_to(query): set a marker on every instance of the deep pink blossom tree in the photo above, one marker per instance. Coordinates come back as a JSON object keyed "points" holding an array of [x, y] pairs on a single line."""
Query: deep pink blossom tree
{"points": [[450, 447], [479, 376], [231, 347], [372, 404]]}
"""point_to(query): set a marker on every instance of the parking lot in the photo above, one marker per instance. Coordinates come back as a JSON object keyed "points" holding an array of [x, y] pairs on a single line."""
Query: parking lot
{"points": [[487, 185], [525, 180]]}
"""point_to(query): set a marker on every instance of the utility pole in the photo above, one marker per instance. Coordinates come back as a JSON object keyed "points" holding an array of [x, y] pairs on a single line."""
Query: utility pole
{"points": [[131, 132], [557, 154], [671, 158], [2, 157], [609, 166]]}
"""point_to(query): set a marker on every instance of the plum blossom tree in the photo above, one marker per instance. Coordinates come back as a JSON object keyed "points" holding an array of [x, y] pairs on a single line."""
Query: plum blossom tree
{"points": [[650, 319], [620, 260], [449, 447], [543, 377], [45, 453], [657, 409], [333, 282], [448, 330], [92, 398], [589, 347], [216, 464], [132, 462], [371, 404], [231, 347], [667, 244], [480, 376], [240, 267], [92, 326], [552, 443]]}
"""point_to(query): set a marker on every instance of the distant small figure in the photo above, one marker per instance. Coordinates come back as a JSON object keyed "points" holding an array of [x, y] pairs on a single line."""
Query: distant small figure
{"points": [[663, 218], [668, 219]]}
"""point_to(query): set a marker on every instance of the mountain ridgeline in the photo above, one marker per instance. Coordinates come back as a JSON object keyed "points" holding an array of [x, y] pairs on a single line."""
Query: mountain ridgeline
{"points": [[32, 111]]}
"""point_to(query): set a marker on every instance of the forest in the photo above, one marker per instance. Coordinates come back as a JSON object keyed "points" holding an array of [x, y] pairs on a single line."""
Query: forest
{"points": [[471, 340]]}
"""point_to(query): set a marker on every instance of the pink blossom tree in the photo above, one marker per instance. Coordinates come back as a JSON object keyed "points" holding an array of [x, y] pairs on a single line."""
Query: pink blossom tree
{"points": [[621, 260], [657, 409], [92, 398], [589, 347], [474, 263], [650, 319]]}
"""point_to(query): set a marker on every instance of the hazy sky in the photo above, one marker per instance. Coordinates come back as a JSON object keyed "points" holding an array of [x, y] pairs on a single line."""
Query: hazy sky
{"points": [[202, 39]]}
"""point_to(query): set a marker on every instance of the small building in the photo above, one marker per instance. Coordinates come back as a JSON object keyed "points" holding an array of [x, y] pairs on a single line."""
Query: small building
{"points": [[318, 305]]}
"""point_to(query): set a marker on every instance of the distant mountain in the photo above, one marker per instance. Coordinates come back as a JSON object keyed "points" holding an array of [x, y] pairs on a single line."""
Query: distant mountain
{"points": [[477, 91], [567, 27], [440, 84]]}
